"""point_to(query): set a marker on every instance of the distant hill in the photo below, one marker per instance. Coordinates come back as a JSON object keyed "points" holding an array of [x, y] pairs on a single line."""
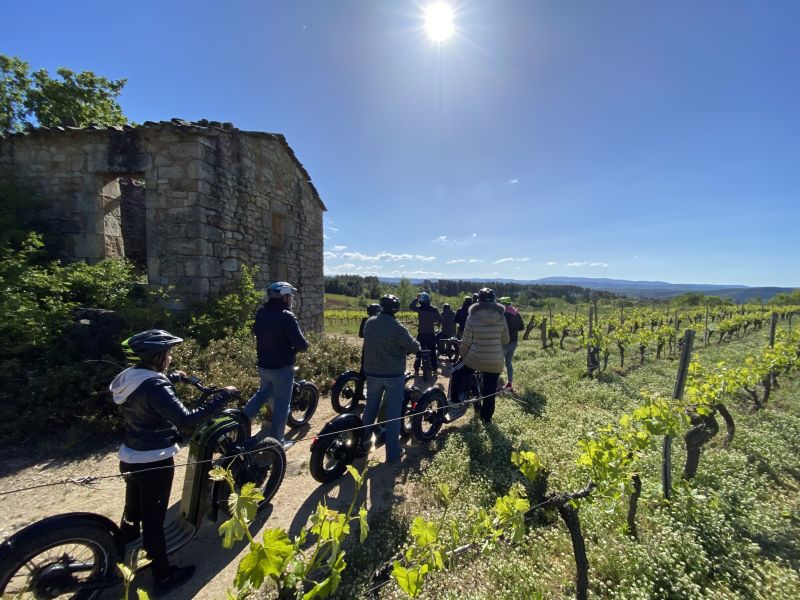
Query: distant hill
{"points": [[640, 289]]}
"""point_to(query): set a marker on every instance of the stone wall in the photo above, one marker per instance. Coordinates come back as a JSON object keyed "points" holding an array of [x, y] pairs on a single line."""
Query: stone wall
{"points": [[193, 201]]}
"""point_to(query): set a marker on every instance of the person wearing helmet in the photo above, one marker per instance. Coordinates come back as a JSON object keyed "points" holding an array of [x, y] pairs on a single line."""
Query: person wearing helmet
{"points": [[278, 340], [461, 315], [485, 334], [515, 325], [372, 310], [152, 416], [428, 317], [387, 342]]}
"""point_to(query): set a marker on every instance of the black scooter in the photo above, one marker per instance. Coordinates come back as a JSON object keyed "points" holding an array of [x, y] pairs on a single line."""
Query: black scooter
{"points": [[337, 444]]}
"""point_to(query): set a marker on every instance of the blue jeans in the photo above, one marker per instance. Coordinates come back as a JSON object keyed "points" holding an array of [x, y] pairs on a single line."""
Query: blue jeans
{"points": [[508, 354], [276, 384], [393, 387]]}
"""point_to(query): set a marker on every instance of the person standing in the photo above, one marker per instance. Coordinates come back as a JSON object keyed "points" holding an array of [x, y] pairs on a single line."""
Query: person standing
{"points": [[515, 325], [461, 315], [387, 342], [485, 334], [278, 340], [152, 416], [428, 317]]}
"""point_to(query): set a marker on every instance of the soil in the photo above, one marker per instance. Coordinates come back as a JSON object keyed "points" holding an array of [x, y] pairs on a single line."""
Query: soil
{"points": [[290, 509]]}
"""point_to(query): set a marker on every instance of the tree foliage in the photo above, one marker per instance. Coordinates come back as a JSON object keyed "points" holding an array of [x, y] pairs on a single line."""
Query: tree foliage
{"points": [[73, 98]]}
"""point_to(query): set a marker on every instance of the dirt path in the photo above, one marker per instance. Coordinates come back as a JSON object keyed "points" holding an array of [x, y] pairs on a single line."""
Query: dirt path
{"points": [[293, 504]]}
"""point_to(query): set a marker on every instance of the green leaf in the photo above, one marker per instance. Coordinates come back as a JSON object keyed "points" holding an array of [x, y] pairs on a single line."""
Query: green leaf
{"points": [[424, 532], [142, 594], [231, 532], [363, 526], [409, 580]]}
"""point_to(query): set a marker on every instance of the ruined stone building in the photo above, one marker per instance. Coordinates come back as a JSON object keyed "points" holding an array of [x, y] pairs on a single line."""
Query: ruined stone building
{"points": [[189, 202]]}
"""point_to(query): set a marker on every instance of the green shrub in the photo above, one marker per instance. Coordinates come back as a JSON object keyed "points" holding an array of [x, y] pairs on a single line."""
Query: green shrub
{"points": [[233, 310]]}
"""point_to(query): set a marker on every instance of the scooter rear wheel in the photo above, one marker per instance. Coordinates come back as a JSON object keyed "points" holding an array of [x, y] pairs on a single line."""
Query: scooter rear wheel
{"points": [[67, 559]]}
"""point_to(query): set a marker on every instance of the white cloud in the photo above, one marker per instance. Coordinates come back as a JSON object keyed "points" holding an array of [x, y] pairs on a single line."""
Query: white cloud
{"points": [[513, 181], [444, 240], [586, 263], [329, 254], [508, 260], [456, 261], [331, 228], [339, 248], [385, 256], [476, 260], [551, 263]]}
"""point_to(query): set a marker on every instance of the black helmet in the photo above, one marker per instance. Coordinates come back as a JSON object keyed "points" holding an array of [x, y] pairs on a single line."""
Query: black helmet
{"points": [[373, 309], [445, 306], [390, 304], [486, 295], [146, 345]]}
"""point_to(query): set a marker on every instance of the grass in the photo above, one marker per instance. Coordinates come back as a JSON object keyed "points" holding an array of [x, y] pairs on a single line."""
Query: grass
{"points": [[733, 532]]}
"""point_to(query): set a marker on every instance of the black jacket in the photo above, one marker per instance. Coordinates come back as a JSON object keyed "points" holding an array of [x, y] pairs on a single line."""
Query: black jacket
{"points": [[152, 413], [278, 335], [428, 315]]}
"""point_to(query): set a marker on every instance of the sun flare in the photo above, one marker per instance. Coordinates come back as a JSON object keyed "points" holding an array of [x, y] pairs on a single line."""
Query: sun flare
{"points": [[439, 21]]}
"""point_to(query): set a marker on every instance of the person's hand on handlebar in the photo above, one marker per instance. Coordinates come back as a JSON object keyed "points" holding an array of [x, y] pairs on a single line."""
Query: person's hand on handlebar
{"points": [[230, 392]]}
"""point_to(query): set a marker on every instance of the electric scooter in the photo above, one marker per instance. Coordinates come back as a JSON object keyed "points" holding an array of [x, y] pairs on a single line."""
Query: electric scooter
{"points": [[74, 555], [337, 444]]}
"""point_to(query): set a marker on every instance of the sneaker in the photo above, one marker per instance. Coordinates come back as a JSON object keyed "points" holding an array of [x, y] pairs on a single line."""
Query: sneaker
{"points": [[286, 444], [177, 576]]}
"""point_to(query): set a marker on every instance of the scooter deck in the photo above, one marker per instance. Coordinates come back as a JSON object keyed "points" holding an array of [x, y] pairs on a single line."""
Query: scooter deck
{"points": [[177, 531]]}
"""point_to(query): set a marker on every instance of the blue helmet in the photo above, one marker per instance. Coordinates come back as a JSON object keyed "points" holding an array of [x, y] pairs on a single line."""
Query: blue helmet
{"points": [[279, 289], [425, 298]]}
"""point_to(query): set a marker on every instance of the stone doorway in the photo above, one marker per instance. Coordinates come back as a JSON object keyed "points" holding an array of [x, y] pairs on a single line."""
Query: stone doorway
{"points": [[124, 217]]}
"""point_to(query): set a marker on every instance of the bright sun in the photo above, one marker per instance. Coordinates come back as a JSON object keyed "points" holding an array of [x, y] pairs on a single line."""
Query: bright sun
{"points": [[439, 21]]}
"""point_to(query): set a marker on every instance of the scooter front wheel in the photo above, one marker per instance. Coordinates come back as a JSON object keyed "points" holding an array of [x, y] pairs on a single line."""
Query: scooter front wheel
{"points": [[429, 414], [331, 454], [347, 392], [303, 404], [410, 396], [262, 463], [65, 556]]}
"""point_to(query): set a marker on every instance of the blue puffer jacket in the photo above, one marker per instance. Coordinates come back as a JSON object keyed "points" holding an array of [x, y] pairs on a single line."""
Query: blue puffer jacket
{"points": [[278, 335]]}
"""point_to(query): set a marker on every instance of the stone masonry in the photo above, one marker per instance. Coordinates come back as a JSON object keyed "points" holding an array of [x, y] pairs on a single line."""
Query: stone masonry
{"points": [[192, 202]]}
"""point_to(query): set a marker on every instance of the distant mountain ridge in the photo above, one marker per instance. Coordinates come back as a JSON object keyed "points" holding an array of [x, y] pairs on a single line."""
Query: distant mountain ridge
{"points": [[638, 289]]}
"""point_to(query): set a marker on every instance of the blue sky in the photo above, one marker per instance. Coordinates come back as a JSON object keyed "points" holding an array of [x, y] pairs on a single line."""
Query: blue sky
{"points": [[628, 139]]}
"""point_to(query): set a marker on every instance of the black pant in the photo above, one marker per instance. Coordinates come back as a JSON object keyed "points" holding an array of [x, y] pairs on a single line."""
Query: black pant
{"points": [[462, 376], [147, 490], [428, 342]]}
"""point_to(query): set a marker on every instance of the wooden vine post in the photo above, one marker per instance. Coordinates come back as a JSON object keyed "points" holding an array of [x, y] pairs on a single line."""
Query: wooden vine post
{"points": [[705, 334], [591, 363], [677, 394], [773, 323]]}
